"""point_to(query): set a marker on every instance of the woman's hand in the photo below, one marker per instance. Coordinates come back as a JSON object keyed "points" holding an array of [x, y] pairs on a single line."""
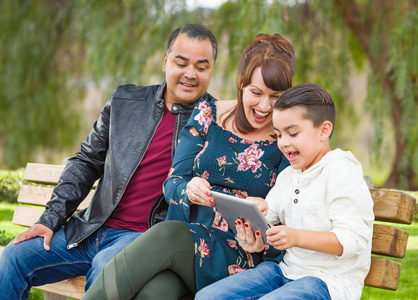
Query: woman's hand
{"points": [[247, 239], [198, 191], [261, 204]]}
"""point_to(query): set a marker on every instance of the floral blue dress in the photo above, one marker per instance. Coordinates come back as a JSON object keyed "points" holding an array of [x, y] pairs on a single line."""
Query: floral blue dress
{"points": [[231, 165]]}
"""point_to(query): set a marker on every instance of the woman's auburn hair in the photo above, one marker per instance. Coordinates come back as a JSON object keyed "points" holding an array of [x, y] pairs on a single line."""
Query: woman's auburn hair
{"points": [[276, 57]]}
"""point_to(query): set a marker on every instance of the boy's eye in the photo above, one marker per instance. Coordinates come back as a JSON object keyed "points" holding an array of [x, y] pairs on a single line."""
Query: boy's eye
{"points": [[201, 69], [181, 65], [293, 134]]}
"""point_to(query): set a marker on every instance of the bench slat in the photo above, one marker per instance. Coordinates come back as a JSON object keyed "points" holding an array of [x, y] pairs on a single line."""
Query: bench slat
{"points": [[384, 273], [73, 287], [26, 216], [40, 195], [393, 206], [43, 173], [389, 241]]}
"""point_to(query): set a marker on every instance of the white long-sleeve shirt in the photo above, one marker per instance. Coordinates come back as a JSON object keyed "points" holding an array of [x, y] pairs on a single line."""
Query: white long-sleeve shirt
{"points": [[331, 196]]}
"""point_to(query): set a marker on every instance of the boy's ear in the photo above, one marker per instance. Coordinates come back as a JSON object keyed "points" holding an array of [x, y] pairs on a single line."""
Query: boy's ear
{"points": [[326, 129]]}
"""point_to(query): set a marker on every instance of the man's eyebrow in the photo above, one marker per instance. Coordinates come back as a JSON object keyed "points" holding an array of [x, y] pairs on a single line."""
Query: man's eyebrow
{"points": [[201, 61], [182, 57]]}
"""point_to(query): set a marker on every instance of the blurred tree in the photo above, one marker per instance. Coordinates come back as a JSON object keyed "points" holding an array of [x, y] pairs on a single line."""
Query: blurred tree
{"points": [[335, 39], [52, 50]]}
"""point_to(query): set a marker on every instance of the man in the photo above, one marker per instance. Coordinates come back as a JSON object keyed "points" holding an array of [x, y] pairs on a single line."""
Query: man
{"points": [[130, 149]]}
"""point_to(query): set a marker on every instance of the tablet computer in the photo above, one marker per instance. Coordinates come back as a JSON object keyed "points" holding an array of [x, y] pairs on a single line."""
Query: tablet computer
{"points": [[233, 208]]}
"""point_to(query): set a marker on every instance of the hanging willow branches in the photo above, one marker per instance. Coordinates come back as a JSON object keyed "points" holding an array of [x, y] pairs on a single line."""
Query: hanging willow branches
{"points": [[53, 50]]}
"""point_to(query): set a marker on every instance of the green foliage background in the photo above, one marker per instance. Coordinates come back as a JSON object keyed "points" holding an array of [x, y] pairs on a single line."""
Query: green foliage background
{"points": [[53, 51]]}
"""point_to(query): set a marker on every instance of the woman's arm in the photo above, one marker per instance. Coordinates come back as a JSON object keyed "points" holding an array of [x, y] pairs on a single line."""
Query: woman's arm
{"points": [[192, 142]]}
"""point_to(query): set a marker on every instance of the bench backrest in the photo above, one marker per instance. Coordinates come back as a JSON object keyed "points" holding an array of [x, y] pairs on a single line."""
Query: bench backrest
{"points": [[389, 206]]}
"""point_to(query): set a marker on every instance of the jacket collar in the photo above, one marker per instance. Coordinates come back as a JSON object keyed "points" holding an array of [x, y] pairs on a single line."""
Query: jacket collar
{"points": [[176, 108]]}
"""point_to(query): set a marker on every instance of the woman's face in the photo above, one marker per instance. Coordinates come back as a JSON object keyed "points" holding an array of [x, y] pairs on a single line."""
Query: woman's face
{"points": [[258, 101]]}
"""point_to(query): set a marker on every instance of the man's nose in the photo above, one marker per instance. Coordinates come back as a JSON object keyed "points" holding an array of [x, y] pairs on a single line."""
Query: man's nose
{"points": [[190, 72]]}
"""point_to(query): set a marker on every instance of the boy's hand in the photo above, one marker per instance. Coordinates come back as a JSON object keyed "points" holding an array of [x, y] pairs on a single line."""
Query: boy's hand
{"points": [[261, 204], [247, 239], [282, 237]]}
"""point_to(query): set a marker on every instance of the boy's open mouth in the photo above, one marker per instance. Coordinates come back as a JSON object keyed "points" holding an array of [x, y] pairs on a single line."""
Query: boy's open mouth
{"points": [[293, 155]]}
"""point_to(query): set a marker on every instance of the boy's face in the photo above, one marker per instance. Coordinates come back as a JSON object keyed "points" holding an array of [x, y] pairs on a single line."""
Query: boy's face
{"points": [[298, 139], [188, 68]]}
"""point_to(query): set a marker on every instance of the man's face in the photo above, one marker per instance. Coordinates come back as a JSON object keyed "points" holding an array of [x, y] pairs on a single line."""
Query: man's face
{"points": [[188, 70]]}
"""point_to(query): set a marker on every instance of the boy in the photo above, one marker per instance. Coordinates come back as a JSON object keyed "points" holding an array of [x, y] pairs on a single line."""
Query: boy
{"points": [[323, 208]]}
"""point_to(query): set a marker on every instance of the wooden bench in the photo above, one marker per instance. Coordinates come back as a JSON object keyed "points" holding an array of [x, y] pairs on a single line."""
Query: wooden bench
{"points": [[388, 241]]}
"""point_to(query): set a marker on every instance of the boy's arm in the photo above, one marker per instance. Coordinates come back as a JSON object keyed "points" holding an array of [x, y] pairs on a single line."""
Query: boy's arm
{"points": [[282, 238]]}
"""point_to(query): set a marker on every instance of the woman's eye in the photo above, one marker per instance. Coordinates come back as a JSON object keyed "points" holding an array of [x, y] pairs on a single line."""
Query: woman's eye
{"points": [[293, 134], [256, 93]]}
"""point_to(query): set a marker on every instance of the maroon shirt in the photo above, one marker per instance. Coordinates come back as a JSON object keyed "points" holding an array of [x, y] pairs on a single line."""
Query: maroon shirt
{"points": [[146, 183]]}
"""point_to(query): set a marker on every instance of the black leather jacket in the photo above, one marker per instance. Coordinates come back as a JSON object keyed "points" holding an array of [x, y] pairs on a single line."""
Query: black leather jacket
{"points": [[112, 152]]}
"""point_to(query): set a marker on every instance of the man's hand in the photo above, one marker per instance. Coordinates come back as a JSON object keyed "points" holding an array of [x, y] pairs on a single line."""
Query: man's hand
{"points": [[34, 231]]}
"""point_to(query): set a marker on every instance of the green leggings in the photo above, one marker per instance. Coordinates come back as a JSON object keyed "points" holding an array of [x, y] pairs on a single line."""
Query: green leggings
{"points": [[159, 264]]}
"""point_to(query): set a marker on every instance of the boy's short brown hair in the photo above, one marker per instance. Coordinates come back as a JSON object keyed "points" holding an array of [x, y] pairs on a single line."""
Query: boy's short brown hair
{"points": [[317, 101]]}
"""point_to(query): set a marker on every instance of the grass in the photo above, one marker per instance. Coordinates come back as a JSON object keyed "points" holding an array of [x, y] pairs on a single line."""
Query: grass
{"points": [[407, 288]]}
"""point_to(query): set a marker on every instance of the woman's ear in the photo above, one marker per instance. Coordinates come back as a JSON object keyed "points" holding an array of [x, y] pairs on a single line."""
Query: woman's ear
{"points": [[326, 130]]}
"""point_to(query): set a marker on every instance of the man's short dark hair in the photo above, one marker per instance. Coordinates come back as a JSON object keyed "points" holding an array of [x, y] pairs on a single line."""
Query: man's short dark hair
{"points": [[193, 31], [318, 103]]}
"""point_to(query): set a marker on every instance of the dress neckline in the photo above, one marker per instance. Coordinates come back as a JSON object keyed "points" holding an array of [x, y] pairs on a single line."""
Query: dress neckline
{"points": [[233, 135]]}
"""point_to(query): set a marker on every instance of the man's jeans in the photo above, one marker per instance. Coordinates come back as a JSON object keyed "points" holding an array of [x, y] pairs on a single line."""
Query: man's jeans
{"points": [[29, 264], [265, 282]]}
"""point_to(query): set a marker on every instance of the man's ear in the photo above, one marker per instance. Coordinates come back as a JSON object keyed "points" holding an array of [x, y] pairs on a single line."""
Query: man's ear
{"points": [[165, 63], [326, 130]]}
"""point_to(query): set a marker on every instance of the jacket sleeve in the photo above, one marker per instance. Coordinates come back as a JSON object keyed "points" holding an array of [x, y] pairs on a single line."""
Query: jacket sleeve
{"points": [[192, 143], [79, 174]]}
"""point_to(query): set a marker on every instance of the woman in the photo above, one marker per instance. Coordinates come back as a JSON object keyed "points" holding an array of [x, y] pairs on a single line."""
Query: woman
{"points": [[227, 146]]}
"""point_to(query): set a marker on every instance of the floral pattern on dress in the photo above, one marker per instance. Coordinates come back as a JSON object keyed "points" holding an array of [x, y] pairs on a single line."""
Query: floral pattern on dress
{"points": [[219, 222], [201, 151], [202, 250], [193, 131], [250, 158], [204, 117], [235, 269]]}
